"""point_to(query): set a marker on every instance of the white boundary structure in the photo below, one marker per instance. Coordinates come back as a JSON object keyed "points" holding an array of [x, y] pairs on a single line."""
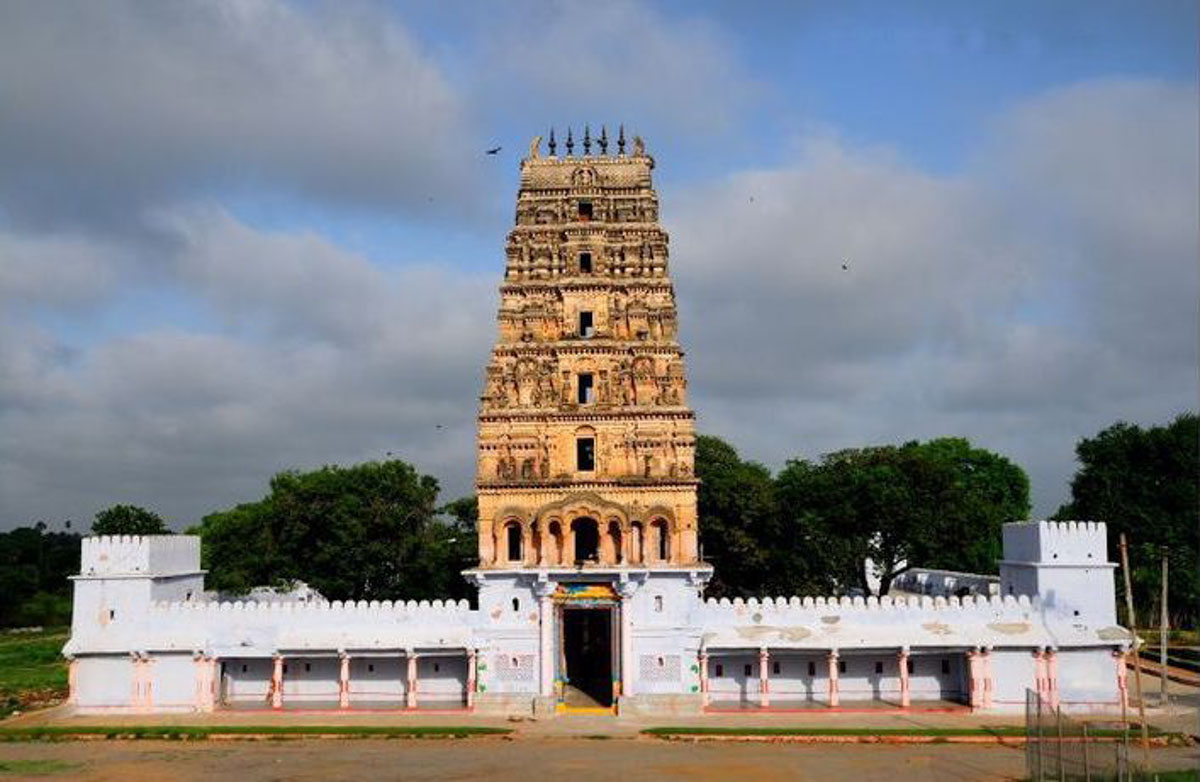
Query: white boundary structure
{"points": [[146, 638]]}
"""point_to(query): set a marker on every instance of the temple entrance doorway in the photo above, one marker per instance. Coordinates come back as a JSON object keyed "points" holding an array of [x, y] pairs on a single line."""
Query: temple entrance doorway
{"points": [[587, 657]]}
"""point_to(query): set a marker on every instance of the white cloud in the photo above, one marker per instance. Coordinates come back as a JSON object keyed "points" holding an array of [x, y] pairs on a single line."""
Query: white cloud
{"points": [[112, 106]]}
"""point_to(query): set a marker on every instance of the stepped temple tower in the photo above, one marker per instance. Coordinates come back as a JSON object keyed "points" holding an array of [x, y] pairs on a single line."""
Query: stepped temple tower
{"points": [[586, 442]]}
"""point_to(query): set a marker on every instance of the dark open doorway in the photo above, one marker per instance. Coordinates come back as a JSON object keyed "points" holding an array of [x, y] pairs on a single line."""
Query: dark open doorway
{"points": [[587, 655]]}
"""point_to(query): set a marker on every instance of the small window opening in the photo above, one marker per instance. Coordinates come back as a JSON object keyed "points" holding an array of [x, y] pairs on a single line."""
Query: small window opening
{"points": [[664, 542], [812, 668], [658, 603], [585, 324], [878, 667], [370, 667], [746, 669], [112, 613], [244, 668], [775, 667], [308, 667], [188, 596], [841, 666], [909, 665], [285, 667], [436, 667], [661, 662], [516, 662], [516, 603], [586, 388], [945, 666], [720, 671], [585, 454], [585, 210], [585, 263], [1077, 612], [513, 533]]}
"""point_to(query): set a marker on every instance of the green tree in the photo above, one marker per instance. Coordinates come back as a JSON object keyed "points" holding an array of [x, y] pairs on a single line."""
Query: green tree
{"points": [[887, 508], [128, 520], [739, 531], [364, 532], [34, 567], [1143, 482]]}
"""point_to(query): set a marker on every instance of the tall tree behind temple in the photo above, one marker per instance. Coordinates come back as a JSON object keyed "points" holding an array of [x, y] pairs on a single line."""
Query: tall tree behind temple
{"points": [[1143, 482], [739, 531], [936, 504], [129, 520], [354, 533]]}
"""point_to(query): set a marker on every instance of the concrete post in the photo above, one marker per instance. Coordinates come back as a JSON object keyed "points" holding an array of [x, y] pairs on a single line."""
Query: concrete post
{"points": [[410, 697], [277, 683], [764, 682], [344, 681], [902, 662], [833, 678], [472, 676], [703, 678]]}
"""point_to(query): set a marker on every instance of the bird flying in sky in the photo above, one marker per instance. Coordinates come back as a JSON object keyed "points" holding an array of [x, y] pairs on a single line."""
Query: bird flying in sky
{"points": [[493, 150]]}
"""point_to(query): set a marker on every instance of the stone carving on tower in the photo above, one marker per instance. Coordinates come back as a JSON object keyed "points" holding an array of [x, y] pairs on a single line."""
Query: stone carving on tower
{"points": [[586, 443]]}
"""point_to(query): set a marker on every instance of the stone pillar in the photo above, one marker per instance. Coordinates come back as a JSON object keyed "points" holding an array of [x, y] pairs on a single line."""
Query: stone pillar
{"points": [[344, 681], [135, 696], [545, 592], [627, 590], [704, 678], [277, 683], [202, 681], [1122, 678], [1039, 674], [905, 695], [989, 683], [410, 699], [73, 681], [146, 677], [472, 676], [1051, 658], [833, 678], [764, 681], [974, 679]]}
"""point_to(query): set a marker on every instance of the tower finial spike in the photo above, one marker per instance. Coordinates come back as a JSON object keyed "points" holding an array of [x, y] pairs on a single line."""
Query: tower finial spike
{"points": [[587, 139], [603, 140], [621, 141], [553, 144], [570, 143]]}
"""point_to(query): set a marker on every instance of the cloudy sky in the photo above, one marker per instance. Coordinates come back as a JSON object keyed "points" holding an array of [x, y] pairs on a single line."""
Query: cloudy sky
{"points": [[249, 235]]}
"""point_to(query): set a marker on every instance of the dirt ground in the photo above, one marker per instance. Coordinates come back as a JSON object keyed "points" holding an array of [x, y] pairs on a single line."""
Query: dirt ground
{"points": [[627, 760]]}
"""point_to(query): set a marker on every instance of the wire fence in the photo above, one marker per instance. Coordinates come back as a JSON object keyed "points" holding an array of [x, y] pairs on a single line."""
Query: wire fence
{"points": [[1058, 748]]}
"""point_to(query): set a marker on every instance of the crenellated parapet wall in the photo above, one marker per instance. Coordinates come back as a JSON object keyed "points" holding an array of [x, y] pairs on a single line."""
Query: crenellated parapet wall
{"points": [[1057, 542], [145, 555], [349, 608]]}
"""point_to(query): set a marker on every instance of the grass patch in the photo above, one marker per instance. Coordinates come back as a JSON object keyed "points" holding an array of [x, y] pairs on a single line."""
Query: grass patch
{"points": [[200, 732], [33, 673], [1003, 731], [31, 768]]}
